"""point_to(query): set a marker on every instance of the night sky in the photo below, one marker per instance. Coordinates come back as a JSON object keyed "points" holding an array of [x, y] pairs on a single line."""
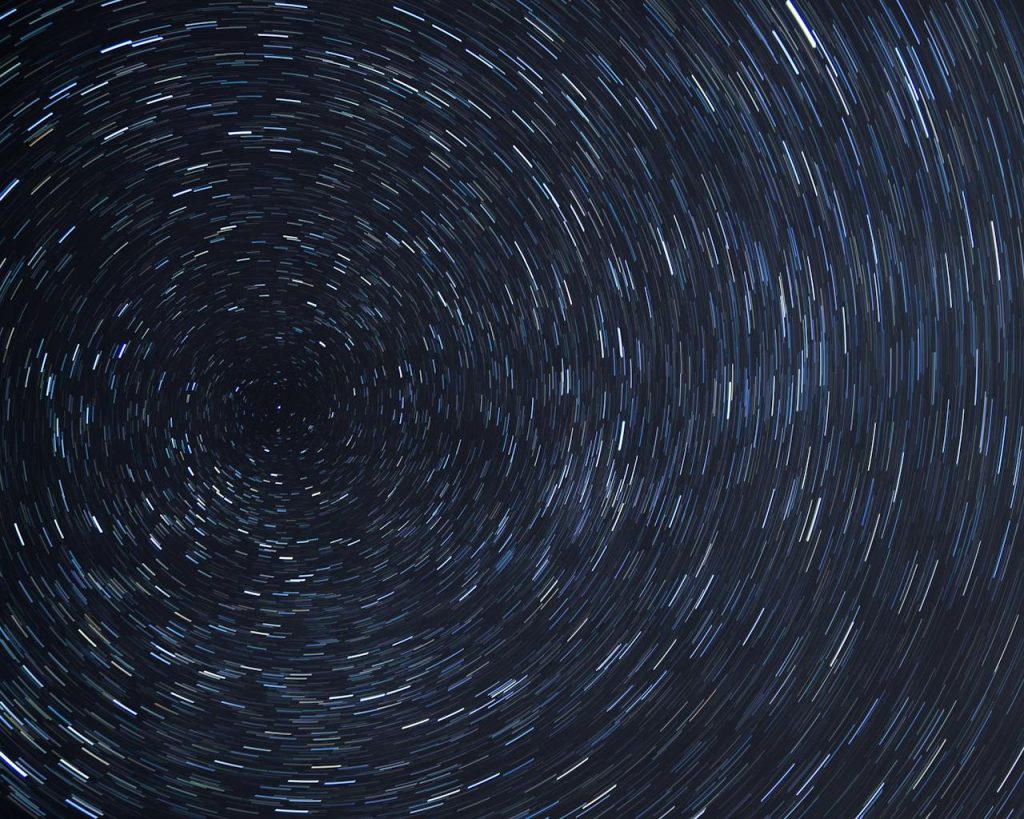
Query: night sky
{"points": [[511, 408]]}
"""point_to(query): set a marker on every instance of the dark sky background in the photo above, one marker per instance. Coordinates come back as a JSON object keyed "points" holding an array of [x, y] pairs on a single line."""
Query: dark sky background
{"points": [[511, 409]]}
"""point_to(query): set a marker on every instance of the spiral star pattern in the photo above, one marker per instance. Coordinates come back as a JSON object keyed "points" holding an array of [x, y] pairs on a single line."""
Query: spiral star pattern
{"points": [[518, 408]]}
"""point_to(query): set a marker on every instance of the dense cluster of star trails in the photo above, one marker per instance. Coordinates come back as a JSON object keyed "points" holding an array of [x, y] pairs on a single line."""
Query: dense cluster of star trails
{"points": [[511, 408]]}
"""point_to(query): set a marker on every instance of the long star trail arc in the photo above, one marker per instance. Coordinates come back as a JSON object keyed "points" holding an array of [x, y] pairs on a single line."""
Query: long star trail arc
{"points": [[521, 409]]}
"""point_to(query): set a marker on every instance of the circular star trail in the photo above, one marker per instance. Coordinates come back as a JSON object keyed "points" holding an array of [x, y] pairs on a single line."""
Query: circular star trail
{"points": [[511, 409]]}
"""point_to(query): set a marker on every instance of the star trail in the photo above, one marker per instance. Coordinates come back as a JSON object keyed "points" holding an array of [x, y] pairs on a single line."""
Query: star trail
{"points": [[511, 409]]}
